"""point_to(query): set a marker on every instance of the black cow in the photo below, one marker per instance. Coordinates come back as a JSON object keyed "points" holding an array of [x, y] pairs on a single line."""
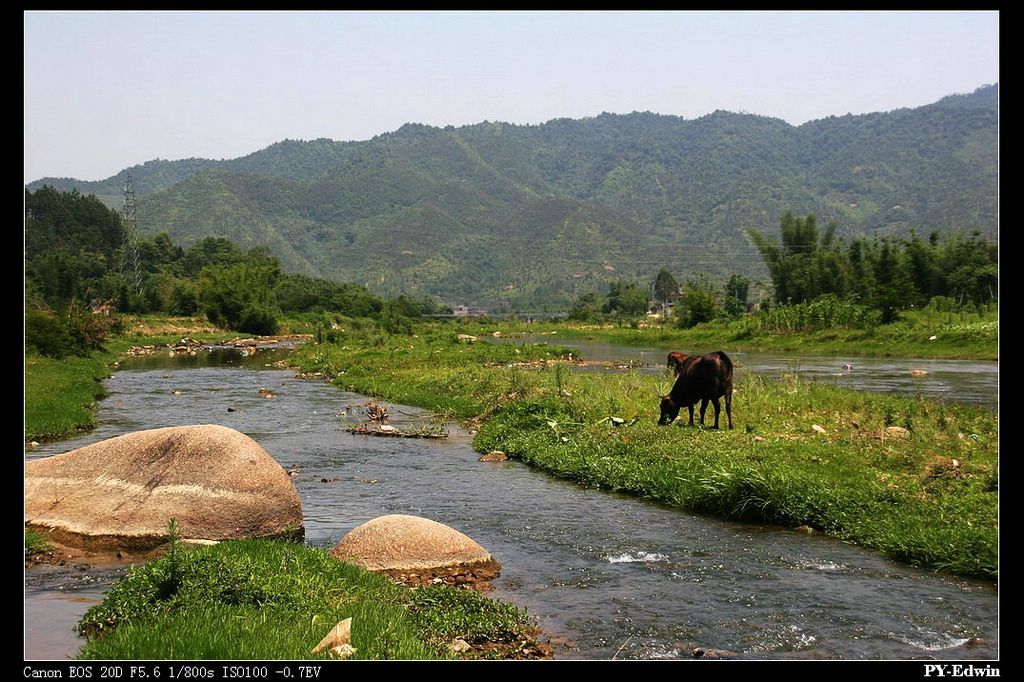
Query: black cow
{"points": [[705, 378]]}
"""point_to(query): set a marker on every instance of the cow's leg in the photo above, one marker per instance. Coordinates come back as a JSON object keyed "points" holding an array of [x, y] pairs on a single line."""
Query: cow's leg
{"points": [[690, 408], [703, 409], [728, 407], [717, 408]]}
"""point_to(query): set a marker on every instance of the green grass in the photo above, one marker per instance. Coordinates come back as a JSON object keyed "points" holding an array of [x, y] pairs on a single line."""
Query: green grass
{"points": [[60, 394], [494, 629], [903, 497], [259, 599], [967, 336], [35, 544]]}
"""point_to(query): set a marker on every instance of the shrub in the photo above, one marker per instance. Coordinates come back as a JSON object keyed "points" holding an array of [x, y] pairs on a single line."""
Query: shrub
{"points": [[47, 334]]}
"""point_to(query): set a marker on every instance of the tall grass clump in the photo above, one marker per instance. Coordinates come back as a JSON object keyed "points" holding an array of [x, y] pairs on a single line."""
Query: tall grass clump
{"points": [[35, 543]]}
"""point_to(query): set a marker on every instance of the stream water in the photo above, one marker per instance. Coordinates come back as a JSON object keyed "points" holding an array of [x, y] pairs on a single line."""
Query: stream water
{"points": [[605, 575], [959, 381]]}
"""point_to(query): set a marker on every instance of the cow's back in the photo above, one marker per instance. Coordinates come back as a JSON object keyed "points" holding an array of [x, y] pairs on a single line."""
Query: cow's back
{"points": [[707, 376]]}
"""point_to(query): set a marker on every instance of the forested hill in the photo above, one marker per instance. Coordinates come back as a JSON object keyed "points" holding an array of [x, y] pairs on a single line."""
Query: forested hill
{"points": [[525, 217]]}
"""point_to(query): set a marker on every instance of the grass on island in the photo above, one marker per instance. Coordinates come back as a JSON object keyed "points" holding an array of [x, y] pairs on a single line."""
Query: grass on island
{"points": [[260, 599], [957, 335], [927, 497]]}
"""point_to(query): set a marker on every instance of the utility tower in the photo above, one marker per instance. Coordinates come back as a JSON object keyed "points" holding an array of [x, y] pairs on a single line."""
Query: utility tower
{"points": [[130, 249]]}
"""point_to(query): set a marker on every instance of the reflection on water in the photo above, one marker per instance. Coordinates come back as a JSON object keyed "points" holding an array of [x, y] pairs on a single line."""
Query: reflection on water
{"points": [[605, 575]]}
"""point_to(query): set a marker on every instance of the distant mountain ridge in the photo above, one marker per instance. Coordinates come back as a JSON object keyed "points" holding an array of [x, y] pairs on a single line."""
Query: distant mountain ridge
{"points": [[527, 216]]}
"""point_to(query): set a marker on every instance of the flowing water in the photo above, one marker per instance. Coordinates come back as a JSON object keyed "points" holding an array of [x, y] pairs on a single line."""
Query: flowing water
{"points": [[605, 575]]}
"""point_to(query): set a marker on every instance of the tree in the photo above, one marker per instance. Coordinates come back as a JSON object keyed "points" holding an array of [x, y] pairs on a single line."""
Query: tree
{"points": [[394, 317], [47, 334], [736, 291], [895, 283], [211, 251], [697, 305], [626, 299], [804, 266], [586, 307], [241, 296], [666, 288]]}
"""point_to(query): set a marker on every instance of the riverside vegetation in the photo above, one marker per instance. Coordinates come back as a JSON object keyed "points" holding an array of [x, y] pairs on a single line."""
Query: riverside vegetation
{"points": [[929, 498], [809, 328], [262, 599], [923, 493]]}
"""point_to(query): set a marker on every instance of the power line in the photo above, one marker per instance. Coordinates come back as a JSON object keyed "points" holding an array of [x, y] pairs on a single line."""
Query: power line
{"points": [[130, 269]]}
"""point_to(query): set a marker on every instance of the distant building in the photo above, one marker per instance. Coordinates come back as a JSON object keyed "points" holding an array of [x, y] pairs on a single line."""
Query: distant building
{"points": [[100, 307], [468, 311]]}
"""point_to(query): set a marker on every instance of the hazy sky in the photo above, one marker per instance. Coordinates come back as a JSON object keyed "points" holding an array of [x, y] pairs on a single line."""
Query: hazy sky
{"points": [[106, 90]]}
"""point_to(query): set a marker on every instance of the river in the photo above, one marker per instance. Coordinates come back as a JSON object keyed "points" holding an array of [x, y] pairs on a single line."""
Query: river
{"points": [[973, 382], [606, 576]]}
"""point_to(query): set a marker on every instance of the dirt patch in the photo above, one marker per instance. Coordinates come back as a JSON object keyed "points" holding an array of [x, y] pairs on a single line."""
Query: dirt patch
{"points": [[527, 647], [182, 325], [260, 341], [475, 576], [60, 554]]}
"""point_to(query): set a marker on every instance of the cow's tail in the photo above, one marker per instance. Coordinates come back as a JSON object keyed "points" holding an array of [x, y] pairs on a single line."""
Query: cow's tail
{"points": [[725, 361]]}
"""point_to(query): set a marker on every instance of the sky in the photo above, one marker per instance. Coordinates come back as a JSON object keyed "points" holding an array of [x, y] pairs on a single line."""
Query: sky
{"points": [[107, 90]]}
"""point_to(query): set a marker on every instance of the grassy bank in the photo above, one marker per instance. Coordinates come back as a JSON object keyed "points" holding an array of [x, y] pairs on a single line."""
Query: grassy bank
{"points": [[61, 394], [965, 336], [259, 599], [35, 544], [927, 497]]}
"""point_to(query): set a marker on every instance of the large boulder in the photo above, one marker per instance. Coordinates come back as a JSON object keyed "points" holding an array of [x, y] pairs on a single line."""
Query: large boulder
{"points": [[418, 551], [119, 494]]}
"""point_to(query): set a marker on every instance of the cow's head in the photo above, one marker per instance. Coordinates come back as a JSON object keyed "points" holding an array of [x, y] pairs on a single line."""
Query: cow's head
{"points": [[669, 410]]}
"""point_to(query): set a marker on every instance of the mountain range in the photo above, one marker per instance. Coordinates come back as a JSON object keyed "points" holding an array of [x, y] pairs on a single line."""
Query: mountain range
{"points": [[526, 217]]}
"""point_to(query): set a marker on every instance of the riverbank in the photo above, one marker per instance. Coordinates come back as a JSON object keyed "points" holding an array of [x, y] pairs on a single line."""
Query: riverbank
{"points": [[918, 334], [61, 394], [912, 479]]}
